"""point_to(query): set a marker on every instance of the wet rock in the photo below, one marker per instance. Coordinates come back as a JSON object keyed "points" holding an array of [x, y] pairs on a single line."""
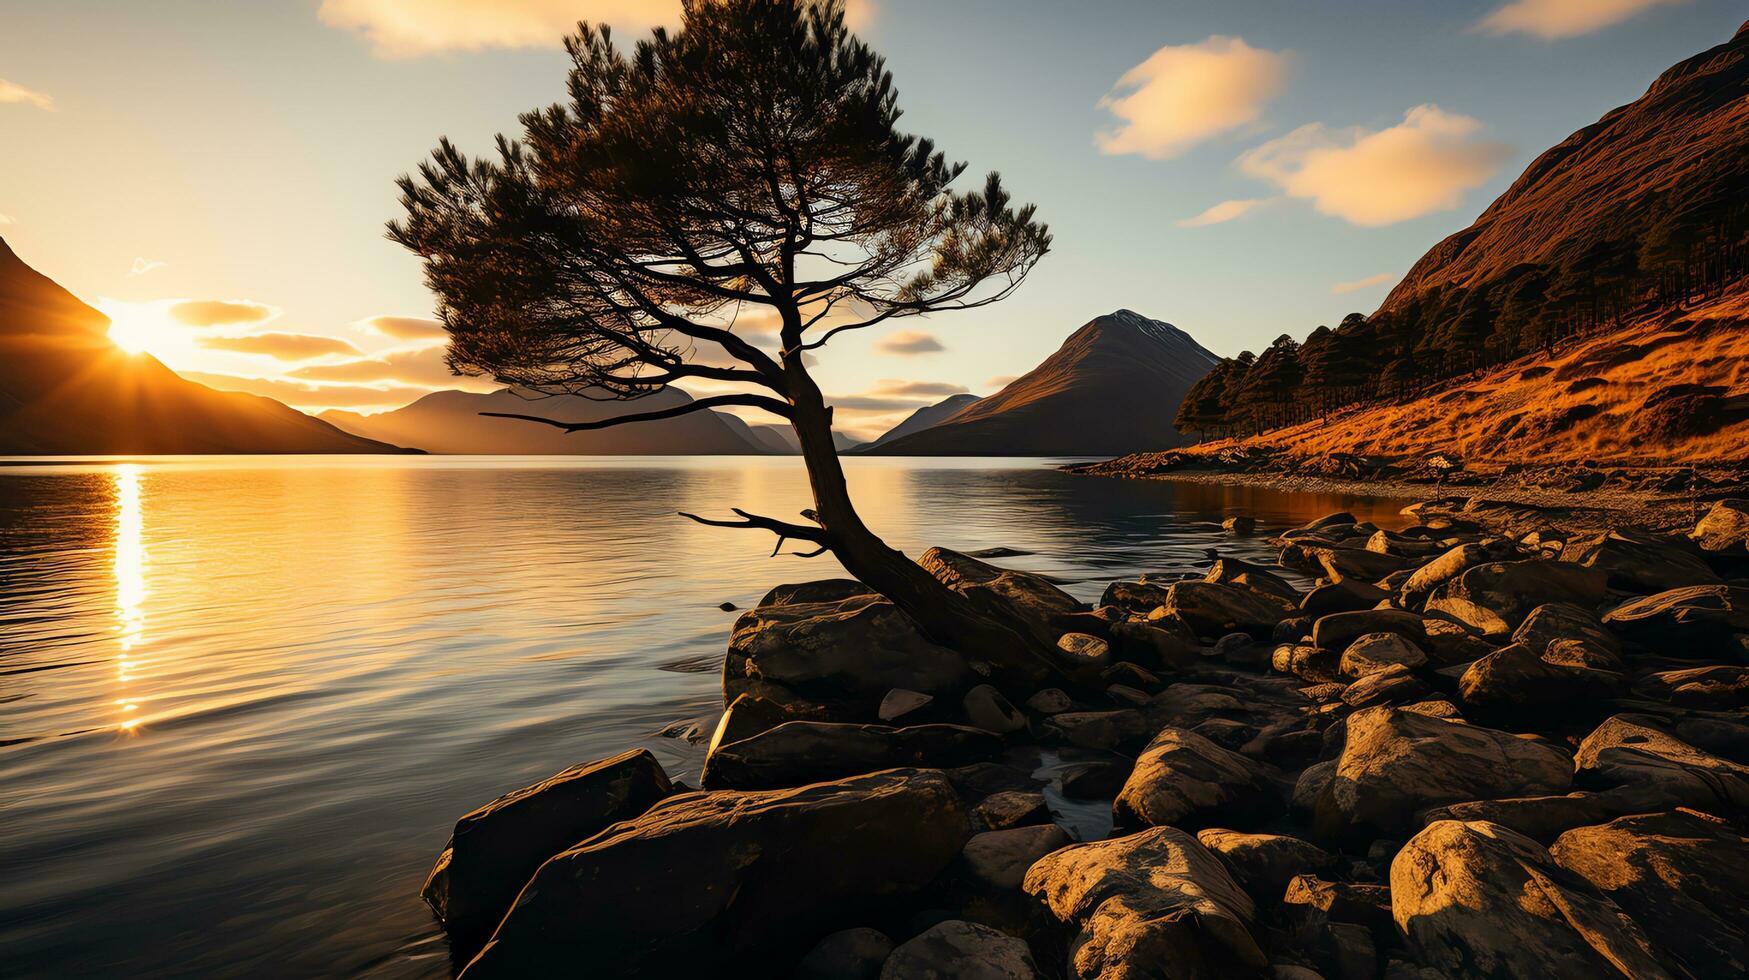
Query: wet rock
{"points": [[1495, 598], [800, 752], [1640, 562], [749, 714], [1339, 562], [1477, 899], [1348, 595], [1255, 578], [496, 848], [1393, 685], [849, 954], [1156, 903], [1725, 528], [1554, 621], [1212, 609], [1703, 620], [1263, 864], [900, 703], [987, 709], [1514, 683], [830, 590], [1011, 808], [1155, 646], [1683, 876], [1050, 701], [1664, 770], [1397, 761], [1184, 780], [1448, 566], [722, 876], [1010, 596], [1374, 652], [1716, 688], [1239, 524], [960, 950], [1106, 730], [1337, 630], [1135, 597], [1309, 663]]}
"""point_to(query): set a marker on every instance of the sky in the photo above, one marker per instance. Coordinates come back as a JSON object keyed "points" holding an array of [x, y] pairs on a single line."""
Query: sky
{"points": [[216, 176]]}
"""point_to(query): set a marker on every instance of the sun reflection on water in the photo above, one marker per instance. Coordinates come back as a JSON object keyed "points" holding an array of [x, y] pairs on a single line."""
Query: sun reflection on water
{"points": [[130, 583]]}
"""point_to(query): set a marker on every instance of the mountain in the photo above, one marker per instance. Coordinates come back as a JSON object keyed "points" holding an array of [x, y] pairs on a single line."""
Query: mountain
{"points": [[66, 390], [450, 422], [1113, 387], [923, 418]]}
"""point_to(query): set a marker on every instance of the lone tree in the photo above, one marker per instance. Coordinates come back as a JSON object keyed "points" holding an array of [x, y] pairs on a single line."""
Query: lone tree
{"points": [[740, 175]]}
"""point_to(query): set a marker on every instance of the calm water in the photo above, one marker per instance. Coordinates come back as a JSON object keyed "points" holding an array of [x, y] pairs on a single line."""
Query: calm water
{"points": [[242, 700]]}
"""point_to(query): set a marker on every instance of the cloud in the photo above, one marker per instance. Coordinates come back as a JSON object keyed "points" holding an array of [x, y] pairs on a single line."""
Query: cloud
{"points": [[307, 396], [1002, 381], [1359, 284], [143, 265], [917, 389], [7, 219], [284, 346], [220, 312], [1224, 212], [16, 94], [416, 366], [875, 403], [1421, 165], [909, 342], [1184, 94], [1553, 20], [404, 327]]}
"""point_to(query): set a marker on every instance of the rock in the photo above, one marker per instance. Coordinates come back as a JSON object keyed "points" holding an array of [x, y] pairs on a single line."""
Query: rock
{"points": [[1448, 566], [1683, 876], [1011, 808], [1348, 595], [1212, 609], [1184, 780], [1106, 730], [1050, 701], [1664, 770], [1401, 546], [849, 954], [1022, 598], [800, 752], [1292, 630], [1496, 597], [1514, 683], [1583, 653], [1396, 761], [725, 876], [1716, 688], [1093, 780], [960, 950], [1239, 524], [1135, 597], [1310, 786], [1130, 674], [1125, 696], [750, 714], [999, 858], [1374, 652], [1368, 906], [1308, 663], [1393, 685], [1082, 653], [899, 703], [1640, 562], [1153, 904], [847, 653], [1256, 578], [1541, 818], [987, 709], [831, 590], [1554, 621], [1725, 528], [1339, 562], [1700, 620], [727, 606], [1337, 630], [496, 848], [1477, 899], [1154, 645], [1263, 864]]}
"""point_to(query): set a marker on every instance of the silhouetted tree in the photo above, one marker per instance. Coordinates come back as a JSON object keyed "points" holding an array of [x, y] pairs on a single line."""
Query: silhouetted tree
{"points": [[747, 164]]}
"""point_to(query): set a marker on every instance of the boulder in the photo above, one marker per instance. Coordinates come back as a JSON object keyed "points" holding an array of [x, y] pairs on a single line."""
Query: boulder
{"points": [[1050, 701], [1661, 769], [1338, 562], [1082, 653], [848, 653], [1725, 528], [727, 877], [1514, 683], [1312, 664], [1155, 645], [1184, 780], [1012, 808], [1393, 685], [1683, 876], [800, 752], [1352, 903], [960, 950], [1477, 899], [1153, 904], [495, 849], [998, 859], [1212, 609], [1397, 761], [1701, 620], [1716, 688], [1098, 729], [1640, 562], [750, 714], [1448, 566], [1583, 653], [807, 593], [1541, 818], [987, 709], [1348, 595], [1135, 597], [1337, 630], [1263, 864], [1239, 524], [1309, 787], [1256, 578], [1028, 600], [849, 954], [1553, 621], [1495, 598], [1375, 652]]}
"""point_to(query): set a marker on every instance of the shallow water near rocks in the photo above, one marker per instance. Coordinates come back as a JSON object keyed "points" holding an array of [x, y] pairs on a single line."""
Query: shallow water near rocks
{"points": [[243, 699]]}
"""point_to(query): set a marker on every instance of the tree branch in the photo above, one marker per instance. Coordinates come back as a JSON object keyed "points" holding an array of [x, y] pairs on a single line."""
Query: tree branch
{"points": [[771, 405], [783, 529]]}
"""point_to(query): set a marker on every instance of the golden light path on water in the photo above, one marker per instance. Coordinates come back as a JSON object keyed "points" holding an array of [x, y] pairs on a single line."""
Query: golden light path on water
{"points": [[130, 586]]}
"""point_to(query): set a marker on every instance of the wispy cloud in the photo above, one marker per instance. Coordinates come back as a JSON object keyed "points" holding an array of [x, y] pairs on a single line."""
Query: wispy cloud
{"points": [[309, 397], [1002, 381], [1359, 284], [907, 343], [404, 327], [7, 219], [143, 265], [220, 312], [917, 389], [283, 346], [1553, 20], [1224, 212], [422, 366], [1187, 93], [12, 93], [1380, 177]]}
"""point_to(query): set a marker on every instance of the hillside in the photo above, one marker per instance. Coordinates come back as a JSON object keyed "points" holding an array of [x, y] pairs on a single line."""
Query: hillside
{"points": [[66, 390], [449, 422], [924, 418], [1111, 388]]}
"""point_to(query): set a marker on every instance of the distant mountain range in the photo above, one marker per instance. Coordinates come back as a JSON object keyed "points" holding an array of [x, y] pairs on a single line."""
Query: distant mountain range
{"points": [[66, 390], [1113, 387], [924, 418]]}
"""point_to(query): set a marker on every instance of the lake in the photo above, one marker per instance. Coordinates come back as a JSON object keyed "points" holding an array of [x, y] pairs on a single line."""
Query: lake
{"points": [[243, 699]]}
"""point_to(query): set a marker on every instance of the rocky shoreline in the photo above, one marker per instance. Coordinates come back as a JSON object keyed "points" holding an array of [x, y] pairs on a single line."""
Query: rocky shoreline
{"points": [[1495, 742]]}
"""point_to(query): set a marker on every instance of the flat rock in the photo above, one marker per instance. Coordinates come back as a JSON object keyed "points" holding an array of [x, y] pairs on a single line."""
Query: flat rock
{"points": [[1667, 771], [1028, 600], [960, 950], [1702, 619], [1337, 630], [1394, 685], [800, 752], [1184, 780]]}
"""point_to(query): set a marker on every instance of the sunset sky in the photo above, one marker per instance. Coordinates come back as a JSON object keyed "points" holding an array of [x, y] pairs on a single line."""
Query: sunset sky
{"points": [[215, 176]]}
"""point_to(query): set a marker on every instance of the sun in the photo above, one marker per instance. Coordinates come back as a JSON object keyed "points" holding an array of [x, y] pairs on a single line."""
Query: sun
{"points": [[142, 328]]}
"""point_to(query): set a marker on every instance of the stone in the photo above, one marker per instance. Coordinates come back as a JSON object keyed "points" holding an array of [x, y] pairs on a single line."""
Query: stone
{"points": [[1725, 528], [1348, 595], [1353, 903], [1263, 864], [1477, 899], [1256, 578], [899, 703], [729, 876], [1541, 818], [1152, 904], [1664, 770], [1155, 646], [960, 950], [986, 708], [1448, 566], [1093, 780], [1082, 653], [1239, 524], [1133, 675], [1554, 621], [1514, 683], [495, 849], [1716, 688], [1683, 876], [1309, 663], [1309, 786], [1641, 562], [1374, 652], [1576, 652], [1011, 808], [847, 654], [1135, 597], [849, 954], [1212, 609], [831, 590], [1394, 685], [1339, 562], [1391, 543], [750, 714], [1105, 730], [1701, 620], [1184, 780], [999, 858], [1027, 600], [1397, 761], [1125, 696], [800, 752], [1495, 598], [1050, 701], [1337, 630]]}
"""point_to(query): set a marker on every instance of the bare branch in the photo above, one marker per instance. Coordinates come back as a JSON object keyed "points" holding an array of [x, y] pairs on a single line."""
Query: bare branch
{"points": [[783, 529], [771, 405]]}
